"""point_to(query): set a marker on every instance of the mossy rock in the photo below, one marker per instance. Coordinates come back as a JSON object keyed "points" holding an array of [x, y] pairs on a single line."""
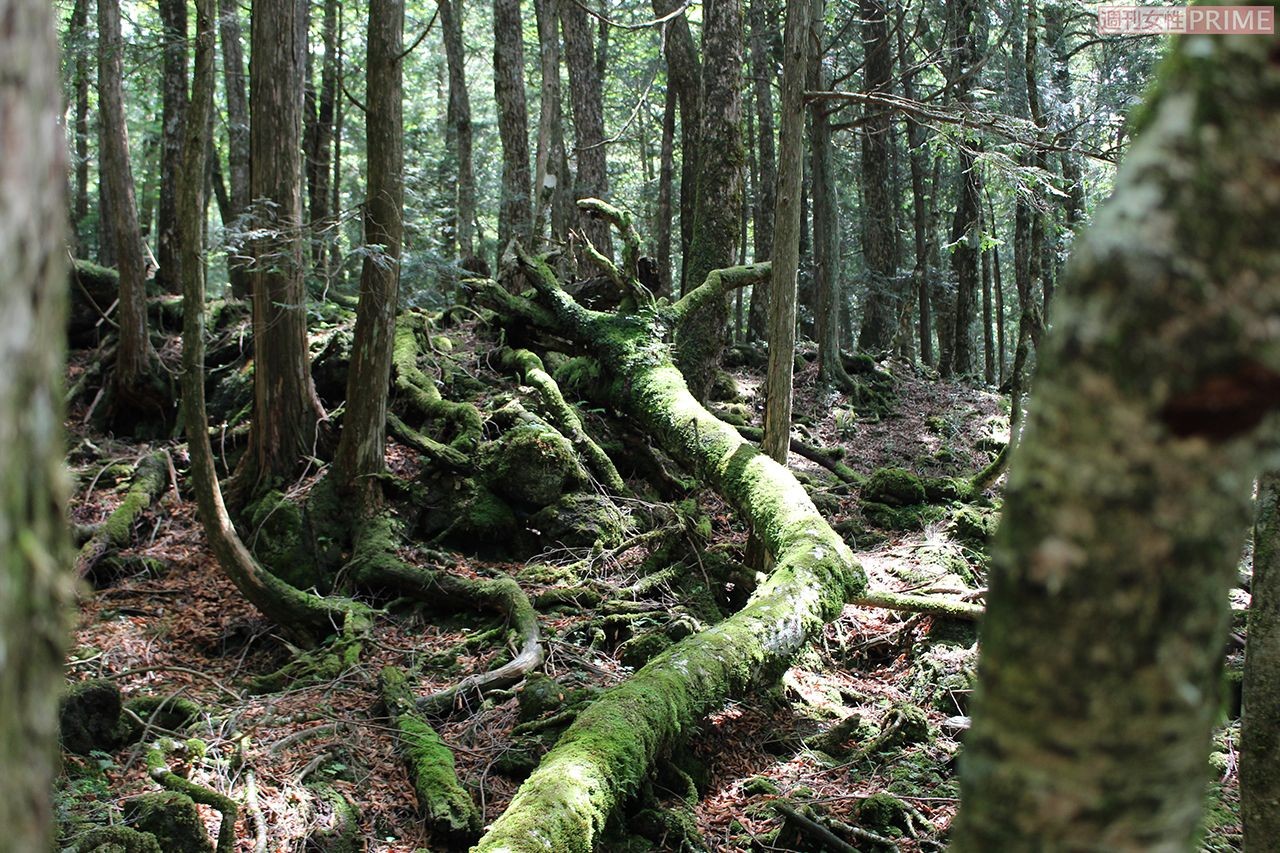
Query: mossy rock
{"points": [[531, 465], [944, 675], [760, 786], [172, 713], [117, 839], [945, 489], [335, 824], [724, 388], [974, 525], [902, 518], [669, 829], [894, 487], [172, 818], [330, 366], [539, 695], [638, 651], [579, 520], [90, 717], [277, 536], [230, 392], [885, 814]]}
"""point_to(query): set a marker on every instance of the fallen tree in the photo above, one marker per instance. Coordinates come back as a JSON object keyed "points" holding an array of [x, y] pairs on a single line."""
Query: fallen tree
{"points": [[605, 754]]}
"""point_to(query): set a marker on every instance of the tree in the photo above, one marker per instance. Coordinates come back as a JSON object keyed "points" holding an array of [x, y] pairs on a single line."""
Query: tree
{"points": [[514, 209], [684, 74], [551, 162], [361, 449], [286, 410], [964, 226], [77, 40], [1129, 493], [237, 136], [786, 242], [458, 141], [35, 584], [137, 388], [762, 76], [1260, 722], [919, 205], [587, 96], [718, 206], [173, 18], [320, 141], [879, 219]]}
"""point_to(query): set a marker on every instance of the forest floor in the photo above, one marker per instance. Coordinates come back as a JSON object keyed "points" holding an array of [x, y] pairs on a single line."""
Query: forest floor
{"points": [[174, 626]]}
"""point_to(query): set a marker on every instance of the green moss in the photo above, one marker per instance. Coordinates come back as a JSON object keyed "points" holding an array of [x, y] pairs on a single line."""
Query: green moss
{"points": [[577, 375], [117, 839], [338, 829], [974, 526], [884, 813], [579, 520], [943, 489], [638, 651], [894, 487], [901, 517], [760, 786], [167, 712], [277, 537], [531, 465], [89, 717], [172, 818]]}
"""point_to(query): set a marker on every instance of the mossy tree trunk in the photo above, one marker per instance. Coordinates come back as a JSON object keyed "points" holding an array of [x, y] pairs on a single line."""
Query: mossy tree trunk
{"points": [[361, 450], [1129, 494], [1260, 724], [35, 584], [604, 756]]}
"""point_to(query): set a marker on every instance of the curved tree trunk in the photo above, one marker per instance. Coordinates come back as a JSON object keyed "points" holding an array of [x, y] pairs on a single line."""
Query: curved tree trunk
{"points": [[1129, 494], [1260, 723], [363, 444], [35, 584]]}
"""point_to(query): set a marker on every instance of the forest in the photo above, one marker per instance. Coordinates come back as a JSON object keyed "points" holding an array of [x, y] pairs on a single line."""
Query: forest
{"points": [[547, 426]]}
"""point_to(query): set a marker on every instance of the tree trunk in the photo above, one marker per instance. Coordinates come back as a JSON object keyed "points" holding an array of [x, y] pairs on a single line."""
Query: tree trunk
{"points": [[78, 40], [1260, 723], [964, 225], [762, 75], [684, 74], [286, 409], [135, 358], [718, 206], [663, 219], [458, 138], [321, 149], [514, 208], [237, 138], [547, 179], [919, 205], [1129, 493], [36, 588], [173, 19], [988, 342], [587, 96], [359, 459], [879, 206], [786, 243]]}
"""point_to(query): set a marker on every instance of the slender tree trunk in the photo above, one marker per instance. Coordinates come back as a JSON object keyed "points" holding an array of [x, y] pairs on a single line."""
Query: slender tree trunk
{"points": [[514, 208], [988, 342], [79, 43], [36, 589], [458, 140], [1260, 723], [237, 138], [1107, 614], [547, 177], [587, 96], [666, 171], [879, 220], [318, 162], [786, 243], [362, 447], [173, 18], [135, 358], [919, 206], [964, 226], [286, 409], [684, 73], [718, 206], [762, 76]]}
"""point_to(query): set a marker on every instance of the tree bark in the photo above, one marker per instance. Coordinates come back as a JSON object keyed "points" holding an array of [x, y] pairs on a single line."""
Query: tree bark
{"points": [[964, 225], [718, 206], [988, 342], [321, 144], [547, 177], [458, 137], [514, 208], [664, 217], [1129, 493], [135, 357], [361, 450], [919, 206], [1260, 722], [286, 409], [78, 40], [237, 139], [35, 585], [684, 74], [587, 97], [762, 75], [879, 219], [173, 19]]}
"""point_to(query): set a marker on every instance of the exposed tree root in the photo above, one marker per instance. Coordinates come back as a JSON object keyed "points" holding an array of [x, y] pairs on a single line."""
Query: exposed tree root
{"points": [[564, 418], [149, 480], [602, 758], [226, 806], [421, 392]]}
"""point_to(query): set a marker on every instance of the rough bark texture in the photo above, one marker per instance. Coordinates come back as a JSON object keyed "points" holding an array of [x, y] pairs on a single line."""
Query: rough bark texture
{"points": [[605, 754], [173, 18], [320, 143], [1129, 494], [514, 208], [285, 408], [587, 96], [237, 135], [363, 444], [664, 216], [547, 177], [134, 356], [1260, 724], [762, 76], [718, 206], [919, 206], [35, 586], [684, 74], [786, 244], [879, 204], [964, 225], [458, 128], [304, 617], [78, 44]]}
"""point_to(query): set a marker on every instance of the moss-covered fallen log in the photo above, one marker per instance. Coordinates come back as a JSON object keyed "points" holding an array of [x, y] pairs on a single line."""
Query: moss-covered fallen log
{"points": [[421, 393], [149, 479], [602, 758]]}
